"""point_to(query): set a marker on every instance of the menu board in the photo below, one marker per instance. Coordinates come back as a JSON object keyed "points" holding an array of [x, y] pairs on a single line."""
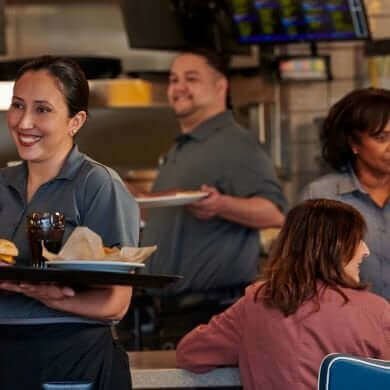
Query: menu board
{"points": [[284, 21]]}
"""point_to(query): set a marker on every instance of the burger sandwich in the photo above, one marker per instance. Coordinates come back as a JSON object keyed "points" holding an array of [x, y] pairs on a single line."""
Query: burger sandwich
{"points": [[8, 251]]}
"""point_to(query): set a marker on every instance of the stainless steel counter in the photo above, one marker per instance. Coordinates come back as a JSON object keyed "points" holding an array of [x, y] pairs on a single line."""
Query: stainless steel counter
{"points": [[157, 370]]}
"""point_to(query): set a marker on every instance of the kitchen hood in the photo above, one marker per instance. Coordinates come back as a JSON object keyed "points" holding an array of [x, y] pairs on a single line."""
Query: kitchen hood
{"points": [[83, 28]]}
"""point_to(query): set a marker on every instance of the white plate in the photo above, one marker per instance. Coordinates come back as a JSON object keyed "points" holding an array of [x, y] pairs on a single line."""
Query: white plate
{"points": [[178, 199], [88, 265]]}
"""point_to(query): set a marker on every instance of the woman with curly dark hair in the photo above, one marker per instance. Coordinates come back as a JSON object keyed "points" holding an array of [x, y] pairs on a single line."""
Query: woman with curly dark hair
{"points": [[310, 303], [356, 143]]}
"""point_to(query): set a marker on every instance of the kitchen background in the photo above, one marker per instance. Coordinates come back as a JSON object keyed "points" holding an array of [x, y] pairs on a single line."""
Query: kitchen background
{"points": [[131, 125]]}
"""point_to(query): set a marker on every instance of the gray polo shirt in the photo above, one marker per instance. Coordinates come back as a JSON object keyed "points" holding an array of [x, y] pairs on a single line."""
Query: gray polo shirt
{"points": [[213, 253], [89, 194], [346, 187]]}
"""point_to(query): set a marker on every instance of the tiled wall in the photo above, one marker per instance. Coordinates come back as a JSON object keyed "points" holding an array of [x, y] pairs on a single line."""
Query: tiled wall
{"points": [[379, 14], [302, 103]]}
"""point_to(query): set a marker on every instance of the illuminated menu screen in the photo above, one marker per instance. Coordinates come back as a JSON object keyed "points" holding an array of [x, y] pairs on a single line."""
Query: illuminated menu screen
{"points": [[283, 21]]}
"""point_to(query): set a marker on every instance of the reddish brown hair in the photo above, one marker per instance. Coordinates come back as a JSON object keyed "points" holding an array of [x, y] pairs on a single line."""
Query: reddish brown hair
{"points": [[318, 238]]}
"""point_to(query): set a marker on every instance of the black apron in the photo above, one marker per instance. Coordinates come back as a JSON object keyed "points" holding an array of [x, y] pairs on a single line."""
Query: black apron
{"points": [[31, 355]]}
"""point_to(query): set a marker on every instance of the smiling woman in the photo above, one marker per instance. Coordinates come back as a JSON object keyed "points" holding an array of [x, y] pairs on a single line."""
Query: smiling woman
{"points": [[41, 123], [49, 106], [310, 294], [32, 118], [355, 141]]}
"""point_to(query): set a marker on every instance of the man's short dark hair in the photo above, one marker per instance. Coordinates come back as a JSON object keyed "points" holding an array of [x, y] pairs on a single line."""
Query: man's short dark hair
{"points": [[217, 61]]}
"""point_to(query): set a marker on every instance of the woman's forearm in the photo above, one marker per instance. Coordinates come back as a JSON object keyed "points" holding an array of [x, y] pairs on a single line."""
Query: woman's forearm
{"points": [[101, 303]]}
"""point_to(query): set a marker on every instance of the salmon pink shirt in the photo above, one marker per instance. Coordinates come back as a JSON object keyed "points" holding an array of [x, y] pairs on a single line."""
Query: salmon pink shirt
{"points": [[277, 352]]}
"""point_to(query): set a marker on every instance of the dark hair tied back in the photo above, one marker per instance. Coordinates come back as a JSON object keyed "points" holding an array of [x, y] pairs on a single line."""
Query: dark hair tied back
{"points": [[74, 84]]}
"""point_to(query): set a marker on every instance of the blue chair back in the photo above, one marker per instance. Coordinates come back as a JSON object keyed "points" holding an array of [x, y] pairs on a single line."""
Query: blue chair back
{"points": [[69, 385], [341, 371]]}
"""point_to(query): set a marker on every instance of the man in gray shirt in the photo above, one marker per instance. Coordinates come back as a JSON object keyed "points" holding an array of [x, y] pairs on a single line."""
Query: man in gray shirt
{"points": [[213, 242]]}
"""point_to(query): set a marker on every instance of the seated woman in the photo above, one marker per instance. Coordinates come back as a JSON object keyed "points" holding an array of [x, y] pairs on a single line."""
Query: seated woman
{"points": [[50, 332], [310, 303], [355, 140]]}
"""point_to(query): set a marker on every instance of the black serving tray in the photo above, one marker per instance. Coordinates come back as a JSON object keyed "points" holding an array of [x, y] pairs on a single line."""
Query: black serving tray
{"points": [[80, 278]]}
